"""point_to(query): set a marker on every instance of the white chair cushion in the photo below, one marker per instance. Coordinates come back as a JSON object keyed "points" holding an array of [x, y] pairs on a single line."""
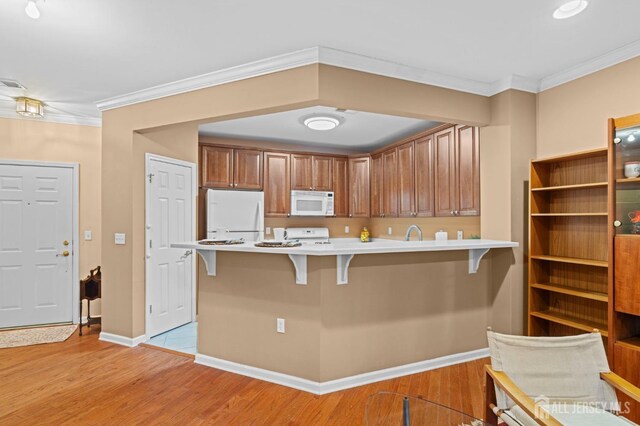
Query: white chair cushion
{"points": [[574, 415]]}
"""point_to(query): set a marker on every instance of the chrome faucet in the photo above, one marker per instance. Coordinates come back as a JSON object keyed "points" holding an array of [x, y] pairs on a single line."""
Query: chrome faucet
{"points": [[411, 228]]}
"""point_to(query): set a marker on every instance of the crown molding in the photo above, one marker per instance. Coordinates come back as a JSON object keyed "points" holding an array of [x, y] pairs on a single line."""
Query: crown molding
{"points": [[49, 117], [344, 59], [590, 66], [227, 75]]}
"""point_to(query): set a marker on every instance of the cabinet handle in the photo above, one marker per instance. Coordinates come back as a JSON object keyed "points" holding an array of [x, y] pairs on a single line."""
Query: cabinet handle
{"points": [[453, 213], [350, 215], [231, 184], [617, 224]]}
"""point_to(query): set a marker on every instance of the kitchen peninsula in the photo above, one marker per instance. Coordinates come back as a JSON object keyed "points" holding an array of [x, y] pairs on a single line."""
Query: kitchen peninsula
{"points": [[403, 303]]}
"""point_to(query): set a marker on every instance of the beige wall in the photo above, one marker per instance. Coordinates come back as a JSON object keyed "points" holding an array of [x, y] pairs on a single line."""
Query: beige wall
{"points": [[508, 144], [44, 141], [296, 88], [573, 117], [396, 309]]}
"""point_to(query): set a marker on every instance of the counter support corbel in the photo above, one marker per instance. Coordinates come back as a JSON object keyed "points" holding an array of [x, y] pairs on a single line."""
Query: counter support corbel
{"points": [[300, 263], [475, 255], [343, 261]]}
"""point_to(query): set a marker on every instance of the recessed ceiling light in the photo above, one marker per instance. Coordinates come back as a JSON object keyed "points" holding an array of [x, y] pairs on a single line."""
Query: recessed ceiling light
{"points": [[322, 122], [631, 138], [570, 9], [32, 10]]}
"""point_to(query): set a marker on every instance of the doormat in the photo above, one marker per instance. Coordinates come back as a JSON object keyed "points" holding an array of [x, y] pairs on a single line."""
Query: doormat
{"points": [[35, 336]]}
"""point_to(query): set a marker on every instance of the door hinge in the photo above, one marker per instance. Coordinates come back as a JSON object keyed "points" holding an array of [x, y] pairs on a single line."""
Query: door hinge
{"points": [[151, 175], [150, 309], [150, 243]]}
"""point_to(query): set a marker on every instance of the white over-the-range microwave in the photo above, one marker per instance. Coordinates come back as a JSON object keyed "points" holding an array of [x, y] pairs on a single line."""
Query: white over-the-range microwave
{"points": [[311, 203]]}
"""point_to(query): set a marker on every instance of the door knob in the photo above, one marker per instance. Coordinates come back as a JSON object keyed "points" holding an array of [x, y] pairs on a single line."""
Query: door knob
{"points": [[66, 243], [186, 254], [64, 254]]}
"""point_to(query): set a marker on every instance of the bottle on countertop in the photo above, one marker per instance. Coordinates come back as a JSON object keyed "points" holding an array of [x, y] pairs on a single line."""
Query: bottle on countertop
{"points": [[364, 235]]}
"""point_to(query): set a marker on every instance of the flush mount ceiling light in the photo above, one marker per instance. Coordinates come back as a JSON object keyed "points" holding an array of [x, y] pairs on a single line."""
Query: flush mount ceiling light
{"points": [[570, 9], [32, 10], [322, 122], [31, 108]]}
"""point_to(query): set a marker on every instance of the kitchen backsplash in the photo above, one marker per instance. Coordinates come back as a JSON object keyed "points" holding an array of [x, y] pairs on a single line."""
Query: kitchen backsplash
{"points": [[379, 226]]}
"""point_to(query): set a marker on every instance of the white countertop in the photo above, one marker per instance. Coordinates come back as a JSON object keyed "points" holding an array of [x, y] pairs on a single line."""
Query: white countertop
{"points": [[344, 246]]}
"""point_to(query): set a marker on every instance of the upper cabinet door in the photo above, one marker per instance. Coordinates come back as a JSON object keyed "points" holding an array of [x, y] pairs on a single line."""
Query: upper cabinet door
{"points": [[468, 170], [301, 172], [390, 183], [445, 176], [377, 172], [341, 186], [359, 188], [277, 184], [424, 176], [406, 181], [217, 167], [322, 173], [247, 169]]}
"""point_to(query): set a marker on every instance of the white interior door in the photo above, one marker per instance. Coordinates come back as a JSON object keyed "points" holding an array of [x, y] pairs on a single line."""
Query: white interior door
{"points": [[170, 219], [36, 245]]}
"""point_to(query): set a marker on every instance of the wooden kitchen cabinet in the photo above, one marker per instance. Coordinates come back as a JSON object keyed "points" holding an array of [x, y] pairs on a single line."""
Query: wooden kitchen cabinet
{"points": [[359, 186], [217, 167], [377, 173], [340, 186], [231, 168], [445, 176], [424, 176], [277, 184], [406, 180], [322, 173], [247, 169], [390, 183], [467, 171], [311, 172], [301, 172]]}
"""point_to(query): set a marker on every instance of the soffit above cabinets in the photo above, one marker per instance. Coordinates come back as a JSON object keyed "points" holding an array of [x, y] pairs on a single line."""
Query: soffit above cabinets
{"points": [[362, 131], [82, 51]]}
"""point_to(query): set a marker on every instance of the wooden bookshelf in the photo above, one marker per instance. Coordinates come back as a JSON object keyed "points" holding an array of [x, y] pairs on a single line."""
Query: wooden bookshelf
{"points": [[568, 250]]}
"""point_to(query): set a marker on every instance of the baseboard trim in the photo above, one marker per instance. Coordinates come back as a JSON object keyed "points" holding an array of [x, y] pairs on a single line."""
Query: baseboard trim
{"points": [[322, 388], [122, 340]]}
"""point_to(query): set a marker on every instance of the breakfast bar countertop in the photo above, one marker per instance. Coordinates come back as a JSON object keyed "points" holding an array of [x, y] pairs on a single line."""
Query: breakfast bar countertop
{"points": [[352, 246], [345, 249]]}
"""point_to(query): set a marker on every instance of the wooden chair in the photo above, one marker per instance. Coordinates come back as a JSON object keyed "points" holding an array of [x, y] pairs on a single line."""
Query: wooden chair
{"points": [[552, 381], [90, 289]]}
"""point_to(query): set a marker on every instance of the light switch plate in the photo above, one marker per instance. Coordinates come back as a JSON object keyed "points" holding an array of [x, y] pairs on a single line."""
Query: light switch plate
{"points": [[390, 231], [88, 235], [120, 239], [346, 229], [280, 325], [267, 230]]}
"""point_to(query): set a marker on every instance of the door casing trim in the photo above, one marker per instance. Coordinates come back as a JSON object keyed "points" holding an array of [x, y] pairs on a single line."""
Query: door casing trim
{"points": [[147, 235], [75, 224]]}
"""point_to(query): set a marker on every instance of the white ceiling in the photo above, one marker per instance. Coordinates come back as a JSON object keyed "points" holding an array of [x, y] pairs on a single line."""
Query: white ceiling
{"points": [[82, 51], [358, 130]]}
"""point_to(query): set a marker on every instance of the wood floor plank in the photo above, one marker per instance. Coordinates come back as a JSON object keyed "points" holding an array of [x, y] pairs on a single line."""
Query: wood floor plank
{"points": [[86, 381]]}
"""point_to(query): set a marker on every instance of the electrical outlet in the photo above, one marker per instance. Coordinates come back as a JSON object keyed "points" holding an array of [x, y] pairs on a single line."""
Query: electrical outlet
{"points": [[120, 239], [88, 235], [346, 229], [267, 230], [460, 235], [280, 325], [389, 231]]}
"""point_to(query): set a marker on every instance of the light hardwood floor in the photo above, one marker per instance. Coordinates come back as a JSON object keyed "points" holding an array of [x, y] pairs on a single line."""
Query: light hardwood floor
{"points": [[85, 381]]}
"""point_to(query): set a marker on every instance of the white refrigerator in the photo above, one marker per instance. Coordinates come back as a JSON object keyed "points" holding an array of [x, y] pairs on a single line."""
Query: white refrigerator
{"points": [[235, 214]]}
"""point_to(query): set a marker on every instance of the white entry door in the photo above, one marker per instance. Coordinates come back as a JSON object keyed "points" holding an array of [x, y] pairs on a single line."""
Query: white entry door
{"points": [[170, 219], [36, 245]]}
